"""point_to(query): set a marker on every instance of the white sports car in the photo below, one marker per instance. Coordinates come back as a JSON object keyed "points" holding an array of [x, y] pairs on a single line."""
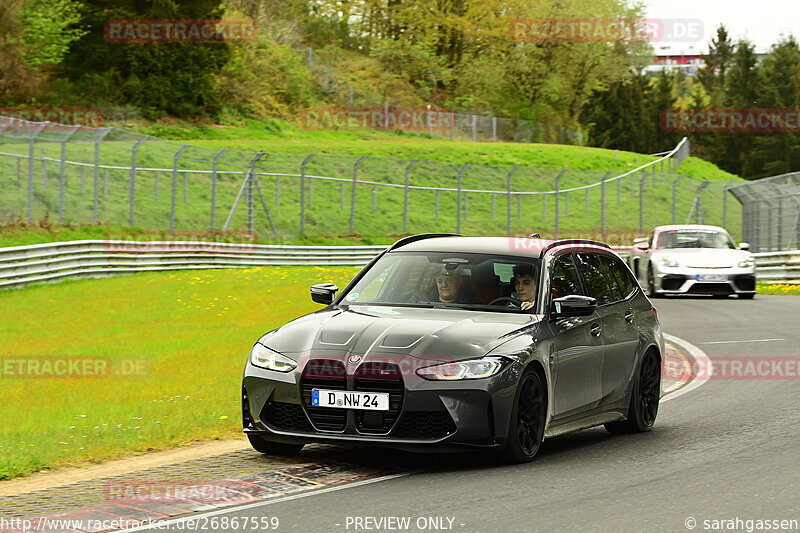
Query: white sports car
{"points": [[693, 259]]}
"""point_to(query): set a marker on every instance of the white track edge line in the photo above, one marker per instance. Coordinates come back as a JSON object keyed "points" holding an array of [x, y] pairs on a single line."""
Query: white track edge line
{"points": [[703, 361]]}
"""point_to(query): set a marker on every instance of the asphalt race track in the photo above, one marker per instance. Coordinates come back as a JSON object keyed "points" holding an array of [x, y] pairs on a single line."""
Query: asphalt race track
{"points": [[725, 450]]}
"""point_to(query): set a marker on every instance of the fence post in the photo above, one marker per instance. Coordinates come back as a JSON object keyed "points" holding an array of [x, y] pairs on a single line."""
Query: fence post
{"points": [[214, 187], [351, 102], [474, 128], [405, 202], [603, 203], [327, 79], [436, 216], [458, 198], [132, 180], [303, 193], [494, 129], [31, 164], [353, 194], [63, 174], [310, 57], [97, 172], [341, 195], [386, 116], [725, 203], [175, 185], [277, 191], [374, 197], [493, 207], [558, 180], [780, 223], [428, 120], [452, 124], [44, 169], [674, 197], [508, 192], [641, 201]]}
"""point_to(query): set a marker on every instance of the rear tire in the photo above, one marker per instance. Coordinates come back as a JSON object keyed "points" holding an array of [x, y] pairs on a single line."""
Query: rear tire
{"points": [[267, 447], [526, 429], [645, 396]]}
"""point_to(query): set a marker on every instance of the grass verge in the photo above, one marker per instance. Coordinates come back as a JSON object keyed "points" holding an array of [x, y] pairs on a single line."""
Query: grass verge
{"points": [[173, 347]]}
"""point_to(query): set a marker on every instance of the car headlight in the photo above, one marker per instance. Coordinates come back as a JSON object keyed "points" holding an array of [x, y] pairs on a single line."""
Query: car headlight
{"points": [[474, 369], [263, 357], [668, 262], [747, 263]]}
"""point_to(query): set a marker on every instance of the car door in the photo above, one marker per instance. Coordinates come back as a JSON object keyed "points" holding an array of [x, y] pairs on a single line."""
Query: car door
{"points": [[610, 313], [576, 353], [620, 336]]}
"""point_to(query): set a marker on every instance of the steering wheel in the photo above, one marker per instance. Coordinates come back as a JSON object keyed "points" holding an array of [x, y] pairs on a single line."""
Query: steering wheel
{"points": [[517, 302]]}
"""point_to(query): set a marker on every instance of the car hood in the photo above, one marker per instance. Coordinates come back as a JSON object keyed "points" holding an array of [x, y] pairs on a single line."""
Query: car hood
{"points": [[704, 257], [373, 332]]}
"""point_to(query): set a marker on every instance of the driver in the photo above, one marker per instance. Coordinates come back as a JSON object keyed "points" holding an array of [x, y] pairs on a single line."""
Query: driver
{"points": [[524, 285], [451, 287]]}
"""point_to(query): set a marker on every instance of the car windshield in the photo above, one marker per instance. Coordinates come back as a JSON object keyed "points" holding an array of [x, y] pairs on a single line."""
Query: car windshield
{"points": [[471, 281], [694, 238]]}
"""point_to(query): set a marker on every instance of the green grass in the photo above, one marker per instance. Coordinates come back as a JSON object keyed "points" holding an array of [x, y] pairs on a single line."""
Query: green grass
{"points": [[192, 329], [784, 289]]}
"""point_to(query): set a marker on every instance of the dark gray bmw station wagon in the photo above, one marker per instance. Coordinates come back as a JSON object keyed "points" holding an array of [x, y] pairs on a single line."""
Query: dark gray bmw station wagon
{"points": [[461, 342]]}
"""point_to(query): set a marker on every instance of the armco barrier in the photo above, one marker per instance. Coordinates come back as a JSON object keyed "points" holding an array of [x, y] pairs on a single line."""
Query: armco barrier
{"points": [[778, 267], [22, 265]]}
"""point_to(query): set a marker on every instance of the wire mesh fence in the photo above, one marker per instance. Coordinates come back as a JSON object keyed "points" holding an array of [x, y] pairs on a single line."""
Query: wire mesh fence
{"points": [[82, 175], [771, 212]]}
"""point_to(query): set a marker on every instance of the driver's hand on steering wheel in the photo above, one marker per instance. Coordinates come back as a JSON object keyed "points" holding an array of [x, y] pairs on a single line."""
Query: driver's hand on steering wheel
{"points": [[526, 305]]}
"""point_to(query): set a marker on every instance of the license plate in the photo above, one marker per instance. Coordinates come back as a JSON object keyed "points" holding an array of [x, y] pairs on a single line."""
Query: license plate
{"points": [[371, 401], [712, 277]]}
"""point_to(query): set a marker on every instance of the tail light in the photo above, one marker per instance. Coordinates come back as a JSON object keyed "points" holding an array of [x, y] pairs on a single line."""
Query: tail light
{"points": [[655, 314]]}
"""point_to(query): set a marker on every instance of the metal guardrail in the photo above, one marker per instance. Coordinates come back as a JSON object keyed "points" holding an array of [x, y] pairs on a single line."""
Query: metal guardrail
{"points": [[23, 265], [778, 267]]}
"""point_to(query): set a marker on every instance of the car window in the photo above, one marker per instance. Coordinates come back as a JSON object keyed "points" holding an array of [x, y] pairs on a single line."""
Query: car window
{"points": [[695, 238], [595, 275], [565, 277], [463, 280], [620, 276]]}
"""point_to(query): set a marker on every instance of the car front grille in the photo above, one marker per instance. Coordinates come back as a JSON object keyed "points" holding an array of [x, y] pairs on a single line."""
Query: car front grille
{"points": [[711, 288], [324, 374], [379, 377], [424, 425], [285, 416]]}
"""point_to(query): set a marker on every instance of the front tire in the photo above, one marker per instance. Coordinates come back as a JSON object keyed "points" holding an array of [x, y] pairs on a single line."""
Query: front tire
{"points": [[645, 396], [273, 448], [526, 430]]}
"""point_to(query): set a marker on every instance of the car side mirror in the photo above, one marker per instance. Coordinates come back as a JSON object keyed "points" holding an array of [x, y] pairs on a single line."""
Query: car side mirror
{"points": [[641, 245], [323, 293], [744, 246], [573, 305]]}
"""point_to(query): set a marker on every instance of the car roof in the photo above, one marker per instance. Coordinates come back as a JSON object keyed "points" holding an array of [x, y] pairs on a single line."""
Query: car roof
{"points": [[520, 246]]}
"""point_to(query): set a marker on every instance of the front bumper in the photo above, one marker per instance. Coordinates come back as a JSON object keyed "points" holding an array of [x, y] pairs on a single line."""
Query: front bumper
{"points": [[444, 414], [716, 281]]}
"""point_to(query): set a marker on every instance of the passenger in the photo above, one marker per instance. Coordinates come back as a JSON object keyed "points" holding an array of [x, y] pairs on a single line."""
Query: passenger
{"points": [[524, 285]]}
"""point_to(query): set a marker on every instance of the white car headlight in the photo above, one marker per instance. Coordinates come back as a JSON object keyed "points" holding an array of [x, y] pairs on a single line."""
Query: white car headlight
{"points": [[263, 357], [747, 263], [668, 261], [474, 369]]}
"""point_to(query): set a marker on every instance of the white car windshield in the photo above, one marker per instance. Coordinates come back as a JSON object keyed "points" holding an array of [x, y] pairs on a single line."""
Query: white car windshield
{"points": [[461, 280], [694, 238]]}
